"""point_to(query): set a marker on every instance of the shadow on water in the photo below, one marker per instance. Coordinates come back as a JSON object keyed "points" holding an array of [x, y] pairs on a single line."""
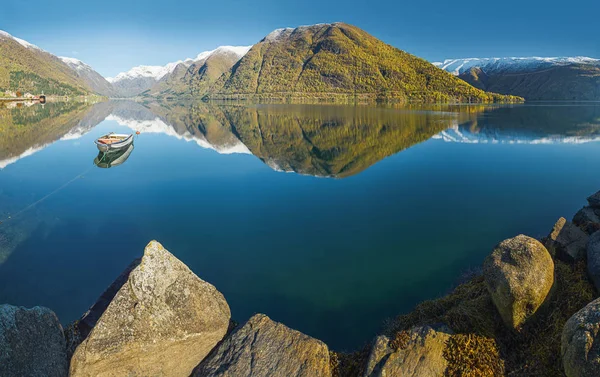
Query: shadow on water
{"points": [[63, 254]]}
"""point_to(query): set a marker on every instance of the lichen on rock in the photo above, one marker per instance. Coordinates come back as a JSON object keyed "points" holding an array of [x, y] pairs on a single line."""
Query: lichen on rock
{"points": [[163, 320], [567, 241], [264, 348], [31, 343], [580, 340], [417, 352], [519, 274]]}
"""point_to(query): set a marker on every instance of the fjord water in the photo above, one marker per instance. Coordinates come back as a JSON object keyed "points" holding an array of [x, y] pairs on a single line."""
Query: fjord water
{"points": [[327, 218]]}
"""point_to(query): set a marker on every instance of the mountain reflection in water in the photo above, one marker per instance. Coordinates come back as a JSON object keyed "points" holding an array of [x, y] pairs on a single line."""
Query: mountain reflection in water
{"points": [[318, 140]]}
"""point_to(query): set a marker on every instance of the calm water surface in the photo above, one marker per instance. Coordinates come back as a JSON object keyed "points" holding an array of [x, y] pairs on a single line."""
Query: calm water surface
{"points": [[329, 219]]}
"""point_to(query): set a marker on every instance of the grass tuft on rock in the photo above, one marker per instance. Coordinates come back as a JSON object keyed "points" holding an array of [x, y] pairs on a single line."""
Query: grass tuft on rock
{"points": [[349, 364], [472, 355]]}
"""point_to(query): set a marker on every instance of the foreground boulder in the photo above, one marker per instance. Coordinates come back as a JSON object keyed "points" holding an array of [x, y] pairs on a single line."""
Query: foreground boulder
{"points": [[417, 352], [519, 275], [31, 343], [567, 241], [588, 219], [594, 200], [593, 259], [264, 348], [579, 342], [162, 321]]}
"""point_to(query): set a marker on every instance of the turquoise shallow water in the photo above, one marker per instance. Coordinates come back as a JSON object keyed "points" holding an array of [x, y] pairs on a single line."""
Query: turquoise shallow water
{"points": [[329, 219]]}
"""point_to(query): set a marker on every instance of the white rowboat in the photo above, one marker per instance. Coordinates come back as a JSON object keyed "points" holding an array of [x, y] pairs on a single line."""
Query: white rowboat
{"points": [[113, 142]]}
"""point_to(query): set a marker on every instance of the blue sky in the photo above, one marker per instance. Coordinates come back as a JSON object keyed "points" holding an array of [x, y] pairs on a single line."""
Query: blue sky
{"points": [[113, 36]]}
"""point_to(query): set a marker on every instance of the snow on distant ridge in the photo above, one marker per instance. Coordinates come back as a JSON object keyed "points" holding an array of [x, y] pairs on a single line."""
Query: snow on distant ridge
{"points": [[76, 64], [510, 64], [22, 42], [157, 72]]}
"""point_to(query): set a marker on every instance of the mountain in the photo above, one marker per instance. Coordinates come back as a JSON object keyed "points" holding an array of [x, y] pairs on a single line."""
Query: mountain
{"points": [[339, 61], [91, 78], [181, 77], [139, 79], [28, 68], [535, 78], [195, 77]]}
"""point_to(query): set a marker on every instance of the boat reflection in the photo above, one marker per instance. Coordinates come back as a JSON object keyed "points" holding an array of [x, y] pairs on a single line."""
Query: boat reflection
{"points": [[112, 159]]}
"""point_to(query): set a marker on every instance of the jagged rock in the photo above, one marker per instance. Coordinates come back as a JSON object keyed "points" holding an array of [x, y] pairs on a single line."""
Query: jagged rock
{"points": [[419, 354], [31, 343], [594, 200], [161, 321], [588, 219], [593, 259], [519, 274], [579, 342], [264, 348], [567, 241]]}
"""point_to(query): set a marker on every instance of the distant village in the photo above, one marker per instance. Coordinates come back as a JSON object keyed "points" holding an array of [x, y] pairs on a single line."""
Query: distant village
{"points": [[9, 95]]}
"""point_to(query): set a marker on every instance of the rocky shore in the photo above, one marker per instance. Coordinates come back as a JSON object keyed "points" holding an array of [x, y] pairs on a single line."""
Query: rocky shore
{"points": [[532, 311]]}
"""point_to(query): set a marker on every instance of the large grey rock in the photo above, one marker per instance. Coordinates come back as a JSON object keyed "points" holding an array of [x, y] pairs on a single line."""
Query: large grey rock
{"points": [[580, 342], [593, 259], [420, 355], [162, 321], [519, 274], [264, 348], [594, 200], [588, 219], [31, 343], [567, 241]]}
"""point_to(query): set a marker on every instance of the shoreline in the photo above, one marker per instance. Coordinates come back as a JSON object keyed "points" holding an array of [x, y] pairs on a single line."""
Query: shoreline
{"points": [[160, 306]]}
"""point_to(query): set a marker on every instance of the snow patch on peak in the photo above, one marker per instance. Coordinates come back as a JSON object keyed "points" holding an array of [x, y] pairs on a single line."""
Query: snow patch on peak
{"points": [[511, 64], [282, 33], [76, 64], [22, 42]]}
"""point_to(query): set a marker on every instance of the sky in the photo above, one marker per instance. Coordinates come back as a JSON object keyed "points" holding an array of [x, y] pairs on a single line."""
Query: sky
{"points": [[113, 36]]}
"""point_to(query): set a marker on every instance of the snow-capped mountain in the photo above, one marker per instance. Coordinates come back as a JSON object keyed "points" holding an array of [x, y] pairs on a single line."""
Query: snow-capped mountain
{"points": [[511, 64], [533, 78], [19, 55], [92, 78], [141, 78], [22, 42]]}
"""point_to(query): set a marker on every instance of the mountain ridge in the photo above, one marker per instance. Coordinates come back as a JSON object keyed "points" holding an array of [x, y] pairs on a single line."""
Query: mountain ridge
{"points": [[142, 78], [26, 67], [534, 78]]}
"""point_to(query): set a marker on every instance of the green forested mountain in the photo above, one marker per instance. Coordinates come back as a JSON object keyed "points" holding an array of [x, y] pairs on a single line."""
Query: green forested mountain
{"points": [[194, 78], [339, 61], [27, 68]]}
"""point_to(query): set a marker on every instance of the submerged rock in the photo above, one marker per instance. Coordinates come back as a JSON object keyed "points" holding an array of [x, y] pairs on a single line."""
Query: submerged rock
{"points": [[264, 348], [594, 200], [593, 259], [31, 343], [418, 354], [519, 274], [567, 241], [579, 342], [162, 321]]}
